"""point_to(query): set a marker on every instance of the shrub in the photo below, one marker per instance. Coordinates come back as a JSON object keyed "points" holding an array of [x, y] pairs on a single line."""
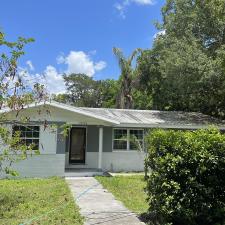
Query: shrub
{"points": [[187, 183]]}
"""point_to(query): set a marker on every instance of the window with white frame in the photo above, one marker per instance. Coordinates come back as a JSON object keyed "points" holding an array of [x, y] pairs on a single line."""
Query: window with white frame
{"points": [[136, 139], [128, 139], [120, 139], [28, 135]]}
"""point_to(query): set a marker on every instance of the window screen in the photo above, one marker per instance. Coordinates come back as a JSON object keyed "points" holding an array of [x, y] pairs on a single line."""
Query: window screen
{"points": [[28, 135]]}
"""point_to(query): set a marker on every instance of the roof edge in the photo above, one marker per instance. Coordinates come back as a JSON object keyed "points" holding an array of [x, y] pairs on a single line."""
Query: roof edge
{"points": [[65, 107]]}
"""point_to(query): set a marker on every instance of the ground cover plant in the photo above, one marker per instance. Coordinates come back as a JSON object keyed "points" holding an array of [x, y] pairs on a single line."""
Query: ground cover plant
{"points": [[26, 199], [129, 190]]}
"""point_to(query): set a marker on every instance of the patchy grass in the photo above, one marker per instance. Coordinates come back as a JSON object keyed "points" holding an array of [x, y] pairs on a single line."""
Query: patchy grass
{"points": [[129, 190], [23, 200]]}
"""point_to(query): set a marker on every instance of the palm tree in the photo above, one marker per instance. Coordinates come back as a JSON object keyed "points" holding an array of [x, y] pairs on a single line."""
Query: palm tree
{"points": [[127, 78]]}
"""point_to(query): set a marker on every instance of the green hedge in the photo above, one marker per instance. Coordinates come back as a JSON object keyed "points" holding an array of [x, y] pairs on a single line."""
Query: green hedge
{"points": [[187, 183]]}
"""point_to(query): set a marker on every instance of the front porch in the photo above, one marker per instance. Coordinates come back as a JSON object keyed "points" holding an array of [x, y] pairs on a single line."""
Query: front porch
{"points": [[84, 150], [98, 155]]}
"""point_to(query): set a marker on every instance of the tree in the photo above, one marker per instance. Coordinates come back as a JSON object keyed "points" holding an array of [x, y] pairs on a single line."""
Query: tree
{"points": [[62, 98], [109, 90], [15, 93], [128, 78], [141, 99], [185, 68], [84, 91], [202, 19], [150, 78], [178, 83]]}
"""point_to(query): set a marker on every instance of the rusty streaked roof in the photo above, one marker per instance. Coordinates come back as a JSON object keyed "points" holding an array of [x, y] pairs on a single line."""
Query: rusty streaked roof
{"points": [[139, 118], [154, 118]]}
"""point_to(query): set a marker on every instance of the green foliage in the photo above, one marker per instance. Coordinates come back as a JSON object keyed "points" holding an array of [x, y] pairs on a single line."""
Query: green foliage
{"points": [[109, 90], [141, 99], [187, 183], [65, 129], [185, 69], [13, 91], [15, 94], [84, 91], [25, 199], [62, 98], [129, 189], [12, 150], [128, 78], [204, 20]]}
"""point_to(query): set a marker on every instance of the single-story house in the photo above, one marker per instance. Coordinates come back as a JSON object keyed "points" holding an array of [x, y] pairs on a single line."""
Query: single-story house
{"points": [[98, 138]]}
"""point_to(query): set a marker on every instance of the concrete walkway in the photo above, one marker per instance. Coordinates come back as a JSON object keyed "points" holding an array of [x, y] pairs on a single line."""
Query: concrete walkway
{"points": [[98, 206]]}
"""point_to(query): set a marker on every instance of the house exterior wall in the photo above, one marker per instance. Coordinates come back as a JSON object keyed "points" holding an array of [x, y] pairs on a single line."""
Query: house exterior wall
{"points": [[54, 147], [47, 138], [45, 165], [51, 161], [117, 161], [92, 139], [111, 160], [62, 144]]}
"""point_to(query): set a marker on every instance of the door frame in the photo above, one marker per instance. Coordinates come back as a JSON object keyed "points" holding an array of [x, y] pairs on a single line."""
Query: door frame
{"points": [[85, 150]]}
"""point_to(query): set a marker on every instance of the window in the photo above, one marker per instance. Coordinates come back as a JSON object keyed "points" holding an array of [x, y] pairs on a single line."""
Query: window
{"points": [[136, 139], [120, 139], [128, 139], [28, 135]]}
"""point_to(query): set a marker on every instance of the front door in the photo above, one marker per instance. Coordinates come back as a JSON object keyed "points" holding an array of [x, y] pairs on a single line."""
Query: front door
{"points": [[77, 145]]}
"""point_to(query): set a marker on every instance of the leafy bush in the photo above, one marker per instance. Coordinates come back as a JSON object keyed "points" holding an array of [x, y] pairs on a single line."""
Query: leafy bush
{"points": [[187, 183]]}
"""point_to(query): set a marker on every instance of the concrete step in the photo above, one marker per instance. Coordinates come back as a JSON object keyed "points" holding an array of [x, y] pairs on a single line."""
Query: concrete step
{"points": [[83, 172]]}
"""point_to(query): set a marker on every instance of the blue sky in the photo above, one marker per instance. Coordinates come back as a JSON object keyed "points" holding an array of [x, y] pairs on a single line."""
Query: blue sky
{"points": [[78, 35]]}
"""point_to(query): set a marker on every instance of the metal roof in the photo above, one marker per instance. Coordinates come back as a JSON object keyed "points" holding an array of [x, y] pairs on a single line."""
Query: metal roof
{"points": [[141, 118], [64, 107], [154, 118]]}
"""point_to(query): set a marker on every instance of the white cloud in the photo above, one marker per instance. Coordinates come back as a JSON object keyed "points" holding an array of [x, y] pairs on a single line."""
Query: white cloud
{"points": [[100, 65], [30, 65], [80, 62], [75, 61], [50, 78], [60, 59], [122, 7], [144, 2], [160, 33], [92, 52], [53, 80]]}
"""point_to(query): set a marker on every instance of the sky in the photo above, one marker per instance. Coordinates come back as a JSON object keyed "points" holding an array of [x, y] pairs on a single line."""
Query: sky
{"points": [[77, 36]]}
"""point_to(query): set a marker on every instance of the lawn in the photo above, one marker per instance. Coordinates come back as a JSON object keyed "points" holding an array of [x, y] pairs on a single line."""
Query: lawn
{"points": [[129, 190], [47, 201]]}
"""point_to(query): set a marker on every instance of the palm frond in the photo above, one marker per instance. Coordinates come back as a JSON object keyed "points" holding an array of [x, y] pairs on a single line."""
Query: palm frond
{"points": [[126, 80], [133, 55], [120, 57]]}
